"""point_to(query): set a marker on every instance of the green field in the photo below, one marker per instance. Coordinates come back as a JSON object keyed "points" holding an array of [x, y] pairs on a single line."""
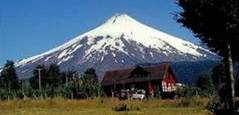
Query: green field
{"points": [[103, 106]]}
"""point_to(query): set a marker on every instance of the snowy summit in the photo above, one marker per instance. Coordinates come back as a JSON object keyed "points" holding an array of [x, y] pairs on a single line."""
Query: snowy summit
{"points": [[121, 41]]}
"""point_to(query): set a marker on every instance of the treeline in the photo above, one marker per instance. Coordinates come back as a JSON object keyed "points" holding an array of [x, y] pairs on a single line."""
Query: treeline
{"points": [[214, 85], [48, 82], [210, 83]]}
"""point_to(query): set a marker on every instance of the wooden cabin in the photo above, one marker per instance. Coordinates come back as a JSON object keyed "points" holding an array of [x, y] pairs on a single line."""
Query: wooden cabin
{"points": [[158, 80]]}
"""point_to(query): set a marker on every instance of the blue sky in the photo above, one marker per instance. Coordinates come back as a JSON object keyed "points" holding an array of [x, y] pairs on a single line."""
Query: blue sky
{"points": [[30, 27]]}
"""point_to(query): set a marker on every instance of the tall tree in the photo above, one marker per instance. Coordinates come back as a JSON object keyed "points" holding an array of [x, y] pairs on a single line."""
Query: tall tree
{"points": [[216, 23], [205, 83], [54, 75], [91, 75], [9, 76], [90, 83], [1, 81], [218, 76], [39, 71], [237, 85]]}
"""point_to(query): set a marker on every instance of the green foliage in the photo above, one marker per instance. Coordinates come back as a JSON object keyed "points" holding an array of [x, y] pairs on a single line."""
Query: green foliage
{"points": [[50, 77], [35, 78], [205, 83], [121, 107], [54, 83], [189, 102], [215, 22], [126, 107], [54, 76], [73, 87], [26, 88], [217, 106], [218, 75], [188, 91], [139, 72], [90, 83], [9, 77], [214, 104]]}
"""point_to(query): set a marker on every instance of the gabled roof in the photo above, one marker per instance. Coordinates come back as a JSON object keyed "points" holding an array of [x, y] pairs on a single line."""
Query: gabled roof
{"points": [[125, 75]]}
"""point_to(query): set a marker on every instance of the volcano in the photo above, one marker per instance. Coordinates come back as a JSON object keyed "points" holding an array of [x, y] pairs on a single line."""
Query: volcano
{"points": [[120, 42]]}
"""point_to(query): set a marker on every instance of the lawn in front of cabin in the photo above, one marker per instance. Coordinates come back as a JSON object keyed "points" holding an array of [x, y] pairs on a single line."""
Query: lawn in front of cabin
{"points": [[103, 106]]}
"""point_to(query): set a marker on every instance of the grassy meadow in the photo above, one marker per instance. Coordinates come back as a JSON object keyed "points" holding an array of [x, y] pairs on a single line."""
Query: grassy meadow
{"points": [[103, 106]]}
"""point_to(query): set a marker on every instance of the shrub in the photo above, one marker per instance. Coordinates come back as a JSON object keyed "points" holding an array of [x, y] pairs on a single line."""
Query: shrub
{"points": [[191, 102], [213, 105], [188, 91], [121, 107], [134, 108], [126, 107]]}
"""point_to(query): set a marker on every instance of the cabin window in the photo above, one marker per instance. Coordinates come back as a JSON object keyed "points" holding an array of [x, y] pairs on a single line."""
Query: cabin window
{"points": [[168, 87]]}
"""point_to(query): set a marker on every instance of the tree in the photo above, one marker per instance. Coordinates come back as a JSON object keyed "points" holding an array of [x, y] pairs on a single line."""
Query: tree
{"points": [[54, 76], [2, 86], [91, 75], [90, 83], [205, 83], [9, 76], [51, 80], [39, 69], [237, 82], [218, 76], [139, 72], [26, 89], [216, 23]]}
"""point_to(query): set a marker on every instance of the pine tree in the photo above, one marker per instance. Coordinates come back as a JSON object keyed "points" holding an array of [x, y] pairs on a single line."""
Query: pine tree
{"points": [[54, 76], [205, 83], [9, 76], [216, 23], [35, 78]]}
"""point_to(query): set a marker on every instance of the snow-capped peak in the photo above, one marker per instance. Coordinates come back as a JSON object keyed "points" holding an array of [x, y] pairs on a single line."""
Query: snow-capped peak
{"points": [[120, 41], [131, 29], [120, 18]]}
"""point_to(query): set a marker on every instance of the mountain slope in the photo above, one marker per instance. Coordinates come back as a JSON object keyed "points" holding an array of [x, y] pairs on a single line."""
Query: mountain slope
{"points": [[120, 42]]}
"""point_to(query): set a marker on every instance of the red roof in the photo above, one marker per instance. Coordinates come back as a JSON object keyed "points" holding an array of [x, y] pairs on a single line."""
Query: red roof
{"points": [[124, 75]]}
